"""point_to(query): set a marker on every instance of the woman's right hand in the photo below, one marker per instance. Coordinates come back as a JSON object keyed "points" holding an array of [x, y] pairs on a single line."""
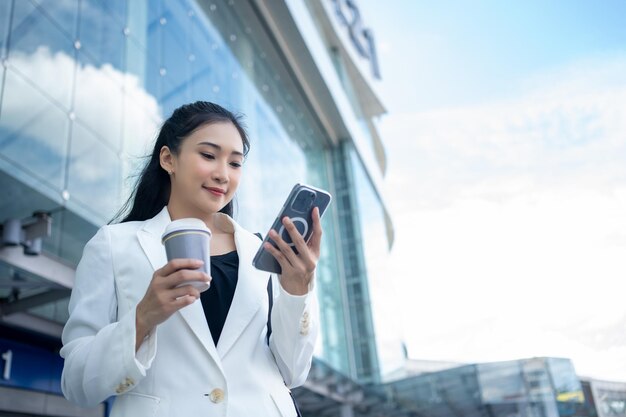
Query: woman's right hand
{"points": [[167, 293]]}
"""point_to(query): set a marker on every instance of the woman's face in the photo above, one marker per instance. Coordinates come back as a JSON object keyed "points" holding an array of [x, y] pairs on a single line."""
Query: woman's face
{"points": [[207, 169]]}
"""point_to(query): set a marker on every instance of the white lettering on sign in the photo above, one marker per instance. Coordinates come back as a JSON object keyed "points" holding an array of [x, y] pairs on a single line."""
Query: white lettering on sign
{"points": [[362, 38], [8, 359]]}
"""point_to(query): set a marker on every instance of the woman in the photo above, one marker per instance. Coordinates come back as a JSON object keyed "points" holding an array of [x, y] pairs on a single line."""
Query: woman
{"points": [[138, 332]]}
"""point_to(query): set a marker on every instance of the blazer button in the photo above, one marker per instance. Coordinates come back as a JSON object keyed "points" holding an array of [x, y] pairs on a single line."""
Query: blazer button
{"points": [[217, 395]]}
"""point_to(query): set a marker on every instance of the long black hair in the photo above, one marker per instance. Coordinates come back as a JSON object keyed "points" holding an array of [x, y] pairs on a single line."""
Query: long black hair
{"points": [[152, 190]]}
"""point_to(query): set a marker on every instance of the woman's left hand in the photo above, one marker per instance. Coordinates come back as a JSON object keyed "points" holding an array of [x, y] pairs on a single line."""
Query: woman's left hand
{"points": [[297, 269]]}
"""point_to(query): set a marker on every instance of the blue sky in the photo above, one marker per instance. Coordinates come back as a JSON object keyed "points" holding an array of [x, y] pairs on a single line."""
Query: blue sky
{"points": [[506, 142], [459, 52]]}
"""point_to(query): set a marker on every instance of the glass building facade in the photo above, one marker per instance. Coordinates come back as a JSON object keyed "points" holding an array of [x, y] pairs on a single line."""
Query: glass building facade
{"points": [[537, 387], [605, 398], [84, 87]]}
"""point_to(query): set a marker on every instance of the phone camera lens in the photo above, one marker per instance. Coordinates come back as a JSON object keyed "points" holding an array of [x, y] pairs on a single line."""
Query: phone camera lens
{"points": [[303, 201]]}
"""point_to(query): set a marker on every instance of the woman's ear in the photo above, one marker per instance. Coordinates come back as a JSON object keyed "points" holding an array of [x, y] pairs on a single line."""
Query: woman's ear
{"points": [[167, 160]]}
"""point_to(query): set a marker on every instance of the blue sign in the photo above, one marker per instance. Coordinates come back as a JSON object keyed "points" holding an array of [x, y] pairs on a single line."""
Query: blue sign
{"points": [[29, 367]]}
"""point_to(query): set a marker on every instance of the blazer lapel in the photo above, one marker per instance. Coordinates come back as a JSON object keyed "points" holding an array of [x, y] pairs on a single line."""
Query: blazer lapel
{"points": [[150, 240], [250, 291]]}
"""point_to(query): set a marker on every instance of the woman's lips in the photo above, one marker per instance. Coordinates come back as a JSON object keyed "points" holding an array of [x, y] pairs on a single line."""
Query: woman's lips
{"points": [[215, 191]]}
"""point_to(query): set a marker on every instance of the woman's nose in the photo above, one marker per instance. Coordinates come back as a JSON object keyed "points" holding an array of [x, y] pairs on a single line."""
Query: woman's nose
{"points": [[220, 173]]}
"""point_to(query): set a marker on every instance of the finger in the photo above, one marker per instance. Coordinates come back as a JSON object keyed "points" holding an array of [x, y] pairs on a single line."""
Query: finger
{"points": [[316, 236], [185, 276], [183, 301], [185, 290], [295, 235], [284, 248], [304, 256], [280, 258], [176, 264]]}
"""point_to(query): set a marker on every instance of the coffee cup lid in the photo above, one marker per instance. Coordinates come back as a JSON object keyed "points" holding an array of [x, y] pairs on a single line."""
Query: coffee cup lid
{"points": [[188, 224]]}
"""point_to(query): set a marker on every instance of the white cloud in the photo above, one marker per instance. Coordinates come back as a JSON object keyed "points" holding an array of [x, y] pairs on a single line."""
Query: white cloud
{"points": [[510, 223], [97, 105]]}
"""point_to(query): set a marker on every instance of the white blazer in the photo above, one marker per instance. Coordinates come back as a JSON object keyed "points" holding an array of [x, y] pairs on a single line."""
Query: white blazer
{"points": [[178, 370]]}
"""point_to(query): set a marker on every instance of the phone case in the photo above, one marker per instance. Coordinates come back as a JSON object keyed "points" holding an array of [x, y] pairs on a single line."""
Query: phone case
{"points": [[303, 221]]}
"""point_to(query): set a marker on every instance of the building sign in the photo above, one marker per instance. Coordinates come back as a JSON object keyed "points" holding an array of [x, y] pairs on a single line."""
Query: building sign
{"points": [[29, 367], [362, 37]]}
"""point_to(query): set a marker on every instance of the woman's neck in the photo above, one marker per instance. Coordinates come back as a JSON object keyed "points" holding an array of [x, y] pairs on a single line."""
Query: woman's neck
{"points": [[176, 212]]}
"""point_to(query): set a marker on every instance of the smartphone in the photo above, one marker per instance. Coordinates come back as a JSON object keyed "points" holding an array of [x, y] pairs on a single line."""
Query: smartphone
{"points": [[298, 207]]}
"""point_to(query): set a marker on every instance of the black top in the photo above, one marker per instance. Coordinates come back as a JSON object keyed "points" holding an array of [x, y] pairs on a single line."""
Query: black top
{"points": [[217, 299]]}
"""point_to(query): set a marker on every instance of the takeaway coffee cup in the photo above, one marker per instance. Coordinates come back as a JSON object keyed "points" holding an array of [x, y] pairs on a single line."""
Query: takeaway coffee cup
{"points": [[189, 238]]}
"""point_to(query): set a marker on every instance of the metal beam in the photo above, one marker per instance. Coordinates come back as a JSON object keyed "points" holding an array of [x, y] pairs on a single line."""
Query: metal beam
{"points": [[20, 305], [42, 265], [34, 323]]}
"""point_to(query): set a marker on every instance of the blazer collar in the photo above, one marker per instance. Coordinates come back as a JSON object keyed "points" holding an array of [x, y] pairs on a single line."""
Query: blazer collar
{"points": [[249, 293]]}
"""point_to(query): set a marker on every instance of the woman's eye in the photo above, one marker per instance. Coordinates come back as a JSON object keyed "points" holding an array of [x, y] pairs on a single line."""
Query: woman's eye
{"points": [[235, 164], [207, 155]]}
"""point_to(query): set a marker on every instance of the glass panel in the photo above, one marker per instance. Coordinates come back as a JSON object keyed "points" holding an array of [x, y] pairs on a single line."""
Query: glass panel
{"points": [[101, 34], [204, 77], [330, 288], [142, 118], [5, 16], [259, 59], [137, 20], [2, 71], [207, 76], [154, 50], [610, 398], [115, 9], [33, 26], [63, 13], [142, 114], [173, 95], [30, 121], [539, 387], [566, 383], [98, 100], [537, 379], [42, 53], [501, 382], [382, 288], [94, 174], [260, 183], [136, 61], [140, 128], [175, 32]]}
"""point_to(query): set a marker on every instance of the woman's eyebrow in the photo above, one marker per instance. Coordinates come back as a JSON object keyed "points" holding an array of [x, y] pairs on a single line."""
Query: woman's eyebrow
{"points": [[219, 148]]}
